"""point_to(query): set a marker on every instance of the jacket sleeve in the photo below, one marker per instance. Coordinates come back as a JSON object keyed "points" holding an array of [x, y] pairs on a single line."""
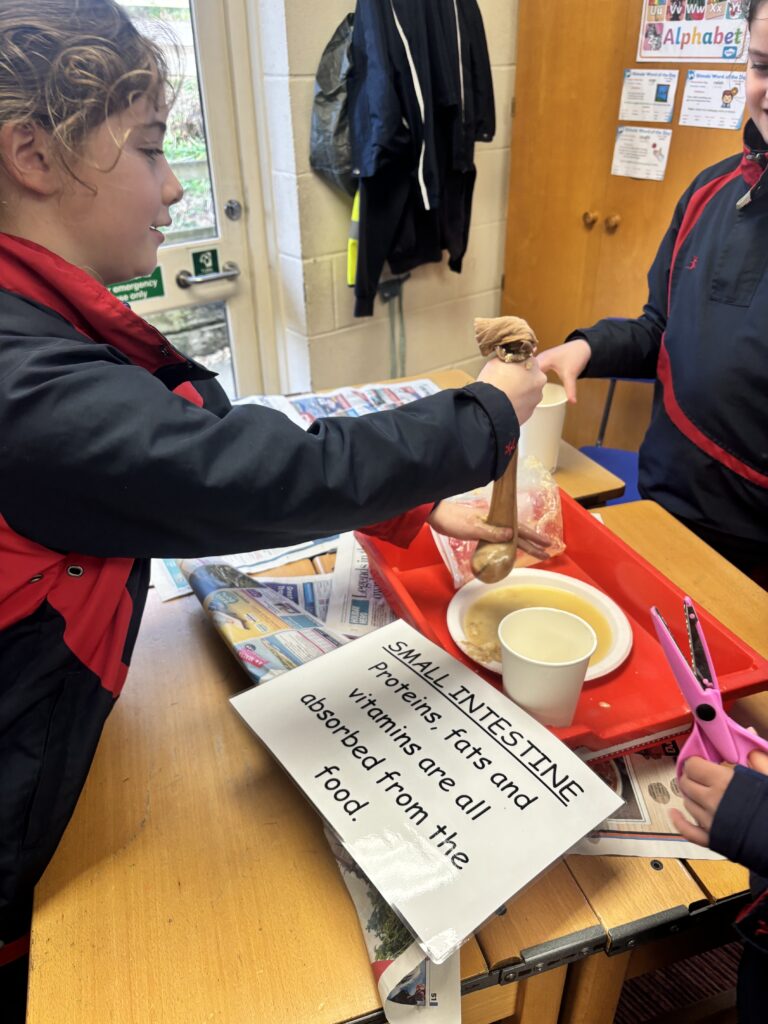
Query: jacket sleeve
{"points": [[630, 347], [402, 529], [98, 457], [740, 828]]}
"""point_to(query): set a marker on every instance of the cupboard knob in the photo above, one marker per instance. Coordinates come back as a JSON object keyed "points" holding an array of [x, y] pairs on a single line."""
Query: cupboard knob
{"points": [[590, 217], [612, 222]]}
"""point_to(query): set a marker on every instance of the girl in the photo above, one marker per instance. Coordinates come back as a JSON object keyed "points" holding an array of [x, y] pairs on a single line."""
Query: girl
{"points": [[114, 447], [703, 335], [705, 455]]}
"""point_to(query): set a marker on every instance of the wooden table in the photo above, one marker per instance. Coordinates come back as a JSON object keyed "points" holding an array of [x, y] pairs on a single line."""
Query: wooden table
{"points": [[194, 883]]}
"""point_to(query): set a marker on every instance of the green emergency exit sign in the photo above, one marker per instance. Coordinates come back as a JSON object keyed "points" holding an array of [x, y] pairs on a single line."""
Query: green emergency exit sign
{"points": [[140, 288], [205, 262]]}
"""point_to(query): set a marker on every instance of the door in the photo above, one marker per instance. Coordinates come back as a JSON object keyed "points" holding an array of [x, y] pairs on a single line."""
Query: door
{"points": [[579, 240], [201, 296]]}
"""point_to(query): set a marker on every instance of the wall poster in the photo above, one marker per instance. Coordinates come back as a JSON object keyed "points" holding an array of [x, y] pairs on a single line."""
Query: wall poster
{"points": [[712, 31]]}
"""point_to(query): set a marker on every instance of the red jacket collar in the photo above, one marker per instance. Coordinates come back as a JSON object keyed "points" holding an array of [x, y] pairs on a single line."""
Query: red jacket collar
{"points": [[36, 273]]}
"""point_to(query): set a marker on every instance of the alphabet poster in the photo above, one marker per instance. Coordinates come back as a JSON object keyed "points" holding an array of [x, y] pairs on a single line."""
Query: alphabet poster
{"points": [[711, 31], [448, 796]]}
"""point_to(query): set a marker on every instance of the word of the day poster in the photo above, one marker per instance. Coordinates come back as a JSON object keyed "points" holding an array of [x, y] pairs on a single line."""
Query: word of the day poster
{"points": [[713, 99], [648, 95], [714, 31], [641, 152]]}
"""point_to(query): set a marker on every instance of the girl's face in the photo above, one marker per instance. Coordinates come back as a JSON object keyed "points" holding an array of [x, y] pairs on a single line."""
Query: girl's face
{"points": [[757, 71], [113, 218]]}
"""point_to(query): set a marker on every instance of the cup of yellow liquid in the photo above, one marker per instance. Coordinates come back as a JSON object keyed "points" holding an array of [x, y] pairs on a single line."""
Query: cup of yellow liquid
{"points": [[544, 657]]}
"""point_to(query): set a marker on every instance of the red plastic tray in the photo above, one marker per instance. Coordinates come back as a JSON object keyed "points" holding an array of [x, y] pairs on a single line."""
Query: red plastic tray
{"points": [[641, 697]]}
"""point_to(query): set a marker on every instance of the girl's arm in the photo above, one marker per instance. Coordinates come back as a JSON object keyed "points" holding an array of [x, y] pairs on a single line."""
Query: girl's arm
{"points": [[623, 347], [99, 457]]}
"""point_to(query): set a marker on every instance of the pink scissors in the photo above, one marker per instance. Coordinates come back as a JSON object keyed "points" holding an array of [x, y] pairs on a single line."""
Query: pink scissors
{"points": [[714, 736]]}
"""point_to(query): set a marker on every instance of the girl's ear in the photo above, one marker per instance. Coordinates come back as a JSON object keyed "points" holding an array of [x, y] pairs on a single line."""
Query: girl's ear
{"points": [[26, 156]]}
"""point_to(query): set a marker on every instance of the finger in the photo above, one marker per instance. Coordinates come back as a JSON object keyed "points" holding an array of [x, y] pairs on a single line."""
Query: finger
{"points": [[700, 815], [526, 533], [705, 772], [533, 549], [494, 534], [687, 830], [569, 383], [758, 760], [704, 796]]}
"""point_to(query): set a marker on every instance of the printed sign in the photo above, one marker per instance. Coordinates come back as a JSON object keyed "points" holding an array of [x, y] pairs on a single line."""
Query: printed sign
{"points": [[714, 31], [648, 95], [205, 262], [713, 99], [448, 796], [641, 152], [140, 288]]}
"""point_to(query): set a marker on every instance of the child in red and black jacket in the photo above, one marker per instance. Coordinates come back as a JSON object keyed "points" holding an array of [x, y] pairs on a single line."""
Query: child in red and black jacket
{"points": [[702, 336], [115, 448]]}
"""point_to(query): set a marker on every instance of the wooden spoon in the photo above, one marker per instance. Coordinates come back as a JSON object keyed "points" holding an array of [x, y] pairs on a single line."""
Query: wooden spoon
{"points": [[492, 561]]}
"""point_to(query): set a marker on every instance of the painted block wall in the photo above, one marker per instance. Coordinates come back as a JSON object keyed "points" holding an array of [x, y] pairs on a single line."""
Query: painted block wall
{"points": [[326, 346]]}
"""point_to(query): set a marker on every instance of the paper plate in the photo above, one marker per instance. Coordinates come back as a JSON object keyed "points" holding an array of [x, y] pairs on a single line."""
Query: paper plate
{"points": [[621, 631]]}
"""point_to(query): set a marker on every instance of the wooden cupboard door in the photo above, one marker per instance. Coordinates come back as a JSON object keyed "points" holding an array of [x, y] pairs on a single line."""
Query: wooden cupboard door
{"points": [[562, 138]]}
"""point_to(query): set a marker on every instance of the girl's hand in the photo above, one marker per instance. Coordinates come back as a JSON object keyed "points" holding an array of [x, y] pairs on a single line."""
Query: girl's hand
{"points": [[453, 519], [522, 387], [703, 785], [567, 361]]}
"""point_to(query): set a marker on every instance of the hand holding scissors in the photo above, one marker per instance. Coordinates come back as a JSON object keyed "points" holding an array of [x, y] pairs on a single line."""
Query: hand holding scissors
{"points": [[715, 736]]}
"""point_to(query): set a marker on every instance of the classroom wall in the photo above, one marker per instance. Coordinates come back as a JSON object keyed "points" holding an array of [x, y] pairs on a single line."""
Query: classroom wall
{"points": [[325, 345]]}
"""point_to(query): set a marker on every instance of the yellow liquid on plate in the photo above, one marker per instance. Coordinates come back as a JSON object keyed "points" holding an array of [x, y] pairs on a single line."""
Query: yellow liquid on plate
{"points": [[481, 621]]}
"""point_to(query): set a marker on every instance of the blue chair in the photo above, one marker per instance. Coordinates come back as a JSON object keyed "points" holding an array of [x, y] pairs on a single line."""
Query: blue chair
{"points": [[619, 461]]}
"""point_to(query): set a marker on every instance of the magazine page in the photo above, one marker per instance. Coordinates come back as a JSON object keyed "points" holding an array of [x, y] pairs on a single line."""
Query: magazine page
{"points": [[356, 606], [310, 593], [647, 784], [266, 631]]}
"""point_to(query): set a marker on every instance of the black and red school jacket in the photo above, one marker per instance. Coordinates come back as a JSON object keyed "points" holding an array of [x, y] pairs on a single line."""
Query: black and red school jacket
{"points": [[703, 335], [115, 448]]}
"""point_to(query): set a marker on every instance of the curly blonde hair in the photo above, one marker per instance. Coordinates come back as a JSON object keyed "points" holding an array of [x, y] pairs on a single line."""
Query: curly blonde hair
{"points": [[68, 65]]}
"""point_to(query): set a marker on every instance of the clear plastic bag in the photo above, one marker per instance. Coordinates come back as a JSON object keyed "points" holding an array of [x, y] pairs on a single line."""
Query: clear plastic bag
{"points": [[538, 508]]}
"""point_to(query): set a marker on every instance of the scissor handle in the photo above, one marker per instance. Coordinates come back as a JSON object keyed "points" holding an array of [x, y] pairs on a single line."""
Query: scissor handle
{"points": [[701, 743]]}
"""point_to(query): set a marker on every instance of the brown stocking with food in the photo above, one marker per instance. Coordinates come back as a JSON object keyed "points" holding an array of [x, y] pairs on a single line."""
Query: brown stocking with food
{"points": [[511, 340]]}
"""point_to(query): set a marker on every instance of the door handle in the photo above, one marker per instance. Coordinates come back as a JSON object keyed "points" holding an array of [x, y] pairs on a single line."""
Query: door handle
{"points": [[590, 218], [612, 222], [185, 278]]}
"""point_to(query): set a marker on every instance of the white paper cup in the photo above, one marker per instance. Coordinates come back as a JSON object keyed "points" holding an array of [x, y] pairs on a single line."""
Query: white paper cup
{"points": [[544, 657], [540, 435]]}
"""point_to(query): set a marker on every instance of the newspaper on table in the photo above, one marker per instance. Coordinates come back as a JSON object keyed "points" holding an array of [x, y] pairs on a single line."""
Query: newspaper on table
{"points": [[265, 629], [357, 605], [168, 576], [305, 409], [647, 784]]}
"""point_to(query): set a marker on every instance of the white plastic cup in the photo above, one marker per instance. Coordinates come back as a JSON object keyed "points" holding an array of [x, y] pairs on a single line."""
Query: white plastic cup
{"points": [[540, 435], [544, 657]]}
